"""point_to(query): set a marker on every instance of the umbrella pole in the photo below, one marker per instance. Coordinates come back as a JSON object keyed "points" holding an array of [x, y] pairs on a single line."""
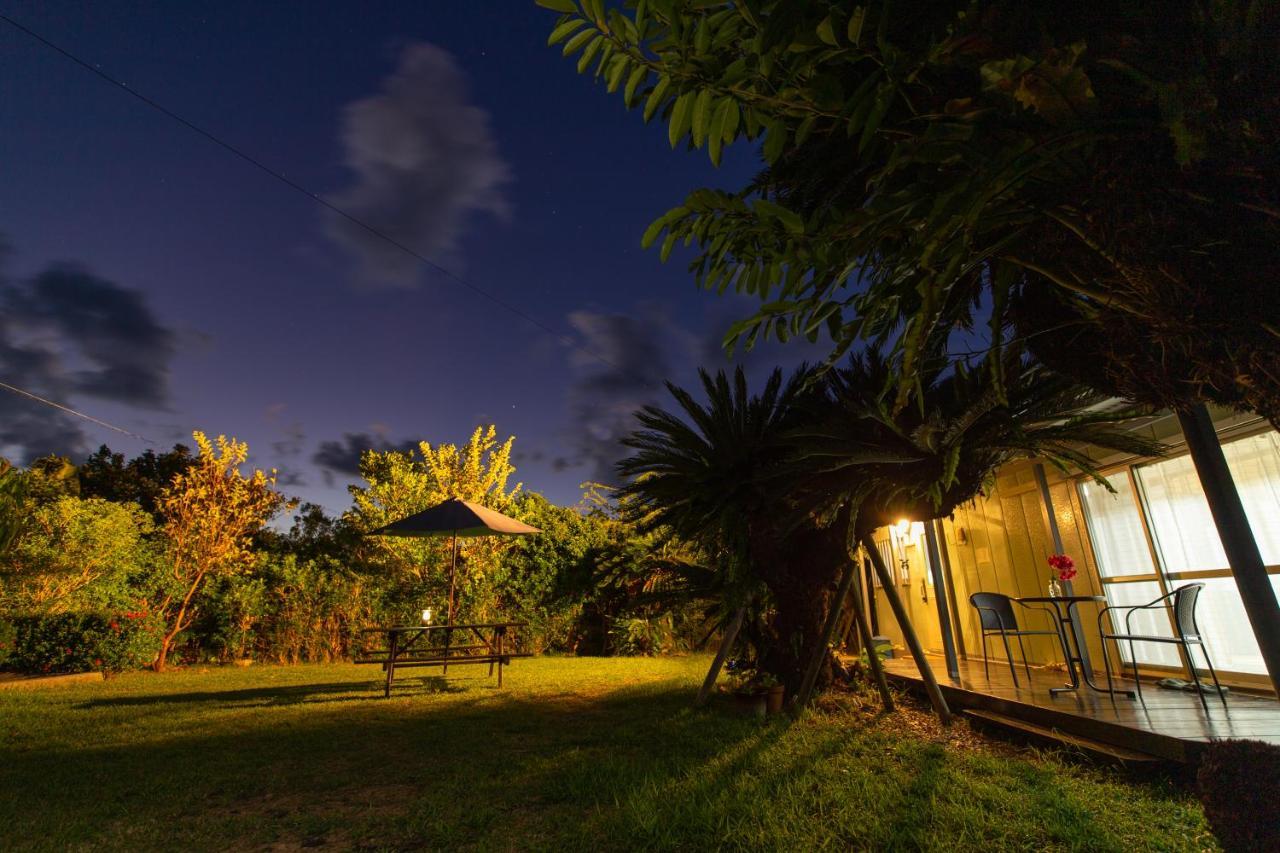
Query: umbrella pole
{"points": [[448, 632], [453, 569]]}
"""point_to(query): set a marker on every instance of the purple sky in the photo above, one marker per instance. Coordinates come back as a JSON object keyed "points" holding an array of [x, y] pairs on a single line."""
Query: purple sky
{"points": [[451, 126]]}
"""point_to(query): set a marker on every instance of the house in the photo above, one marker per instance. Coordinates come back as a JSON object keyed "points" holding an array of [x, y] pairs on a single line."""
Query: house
{"points": [[1151, 534]]}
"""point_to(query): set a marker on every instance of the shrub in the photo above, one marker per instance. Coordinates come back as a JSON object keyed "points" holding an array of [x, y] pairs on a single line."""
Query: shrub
{"points": [[1238, 782], [640, 636], [82, 642]]}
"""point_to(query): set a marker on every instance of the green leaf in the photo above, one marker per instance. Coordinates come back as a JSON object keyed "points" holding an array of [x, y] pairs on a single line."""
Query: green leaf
{"points": [[577, 41], [701, 109], [590, 53], [562, 31], [856, 21], [656, 97], [827, 32], [629, 91], [568, 7], [790, 220], [775, 140], [667, 246], [651, 233], [614, 78], [681, 115]]}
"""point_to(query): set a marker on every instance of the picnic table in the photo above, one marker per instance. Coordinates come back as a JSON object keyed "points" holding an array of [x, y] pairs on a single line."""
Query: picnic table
{"points": [[494, 643]]}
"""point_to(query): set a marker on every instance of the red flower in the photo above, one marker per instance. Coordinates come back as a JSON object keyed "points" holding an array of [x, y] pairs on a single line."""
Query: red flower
{"points": [[1064, 565]]}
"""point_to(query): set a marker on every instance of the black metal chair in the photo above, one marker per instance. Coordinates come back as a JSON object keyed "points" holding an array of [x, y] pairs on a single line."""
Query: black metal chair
{"points": [[996, 615], [1182, 602]]}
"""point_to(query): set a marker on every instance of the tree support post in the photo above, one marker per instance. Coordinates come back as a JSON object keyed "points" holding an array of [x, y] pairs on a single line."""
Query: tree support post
{"points": [[941, 595], [1237, 537], [824, 642], [908, 633], [873, 656], [730, 634]]}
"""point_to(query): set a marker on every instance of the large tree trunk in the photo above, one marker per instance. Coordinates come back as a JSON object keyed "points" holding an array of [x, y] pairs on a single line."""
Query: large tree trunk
{"points": [[1237, 537], [800, 571]]}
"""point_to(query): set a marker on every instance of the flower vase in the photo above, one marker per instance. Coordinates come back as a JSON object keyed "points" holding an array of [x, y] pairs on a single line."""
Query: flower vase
{"points": [[1055, 588]]}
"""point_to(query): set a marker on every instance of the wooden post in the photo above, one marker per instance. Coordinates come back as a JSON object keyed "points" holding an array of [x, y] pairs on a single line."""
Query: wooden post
{"points": [[828, 629], [726, 643], [873, 657], [940, 596], [1237, 537], [908, 633]]}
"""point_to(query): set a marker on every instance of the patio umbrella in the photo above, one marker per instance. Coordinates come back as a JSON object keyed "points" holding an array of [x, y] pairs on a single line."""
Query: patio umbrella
{"points": [[455, 518]]}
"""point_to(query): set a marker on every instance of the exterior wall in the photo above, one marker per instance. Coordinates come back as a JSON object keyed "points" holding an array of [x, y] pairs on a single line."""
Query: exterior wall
{"points": [[999, 543]]}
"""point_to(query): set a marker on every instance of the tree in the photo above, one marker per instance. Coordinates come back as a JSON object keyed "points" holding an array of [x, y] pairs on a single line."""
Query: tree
{"points": [[399, 484], [1110, 173], [78, 554], [1101, 180], [141, 479], [705, 473], [211, 512]]}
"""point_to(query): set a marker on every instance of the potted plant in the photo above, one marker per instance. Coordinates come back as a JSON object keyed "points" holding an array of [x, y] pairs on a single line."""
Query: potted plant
{"points": [[774, 693], [755, 693]]}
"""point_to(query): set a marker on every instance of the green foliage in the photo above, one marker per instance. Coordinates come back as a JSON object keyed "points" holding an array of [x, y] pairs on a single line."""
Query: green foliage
{"points": [[643, 636], [1237, 780], [300, 595], [926, 159], [399, 484], [78, 554], [141, 480], [82, 642]]}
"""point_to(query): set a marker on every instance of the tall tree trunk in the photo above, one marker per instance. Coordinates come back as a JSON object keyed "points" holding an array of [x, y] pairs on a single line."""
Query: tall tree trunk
{"points": [[1237, 537], [799, 570], [908, 632]]}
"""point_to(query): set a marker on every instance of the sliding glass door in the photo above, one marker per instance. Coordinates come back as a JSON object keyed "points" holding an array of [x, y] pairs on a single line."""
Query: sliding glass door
{"points": [[1156, 533]]}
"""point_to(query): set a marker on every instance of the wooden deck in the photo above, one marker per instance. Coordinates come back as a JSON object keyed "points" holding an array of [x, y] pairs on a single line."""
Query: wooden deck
{"points": [[1171, 725]]}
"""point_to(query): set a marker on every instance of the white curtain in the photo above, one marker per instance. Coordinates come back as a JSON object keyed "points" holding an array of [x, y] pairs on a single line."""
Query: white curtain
{"points": [[1115, 528], [1187, 541]]}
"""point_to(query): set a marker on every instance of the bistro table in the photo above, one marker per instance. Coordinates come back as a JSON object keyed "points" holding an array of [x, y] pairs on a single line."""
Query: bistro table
{"points": [[1064, 607], [494, 643]]}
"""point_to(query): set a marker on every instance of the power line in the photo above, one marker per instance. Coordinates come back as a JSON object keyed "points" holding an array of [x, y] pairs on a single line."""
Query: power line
{"points": [[318, 199], [72, 411]]}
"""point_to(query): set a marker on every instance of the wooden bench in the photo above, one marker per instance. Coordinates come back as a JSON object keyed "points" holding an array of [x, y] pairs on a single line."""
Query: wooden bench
{"points": [[494, 643]]}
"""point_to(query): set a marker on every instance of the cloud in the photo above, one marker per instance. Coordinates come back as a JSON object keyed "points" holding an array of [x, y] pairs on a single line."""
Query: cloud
{"points": [[342, 457], [123, 351], [424, 160], [65, 334], [604, 397]]}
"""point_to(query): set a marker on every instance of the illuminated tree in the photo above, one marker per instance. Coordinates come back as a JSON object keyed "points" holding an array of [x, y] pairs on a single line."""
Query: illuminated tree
{"points": [[399, 484], [211, 512]]}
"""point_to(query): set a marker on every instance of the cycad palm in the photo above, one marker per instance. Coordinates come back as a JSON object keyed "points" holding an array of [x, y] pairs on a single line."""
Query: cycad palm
{"points": [[859, 451], [708, 472]]}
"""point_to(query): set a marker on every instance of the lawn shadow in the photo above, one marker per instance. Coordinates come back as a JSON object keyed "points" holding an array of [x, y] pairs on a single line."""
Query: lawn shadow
{"points": [[455, 768], [284, 694]]}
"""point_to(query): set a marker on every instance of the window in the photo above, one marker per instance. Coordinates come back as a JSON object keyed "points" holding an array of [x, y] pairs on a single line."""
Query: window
{"points": [[1184, 546]]}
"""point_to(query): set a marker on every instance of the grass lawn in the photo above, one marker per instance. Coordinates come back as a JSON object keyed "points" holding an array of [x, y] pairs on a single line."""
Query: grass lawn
{"points": [[573, 754]]}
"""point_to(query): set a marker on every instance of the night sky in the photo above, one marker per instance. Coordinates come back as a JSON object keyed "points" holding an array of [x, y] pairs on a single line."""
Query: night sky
{"points": [[158, 282]]}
